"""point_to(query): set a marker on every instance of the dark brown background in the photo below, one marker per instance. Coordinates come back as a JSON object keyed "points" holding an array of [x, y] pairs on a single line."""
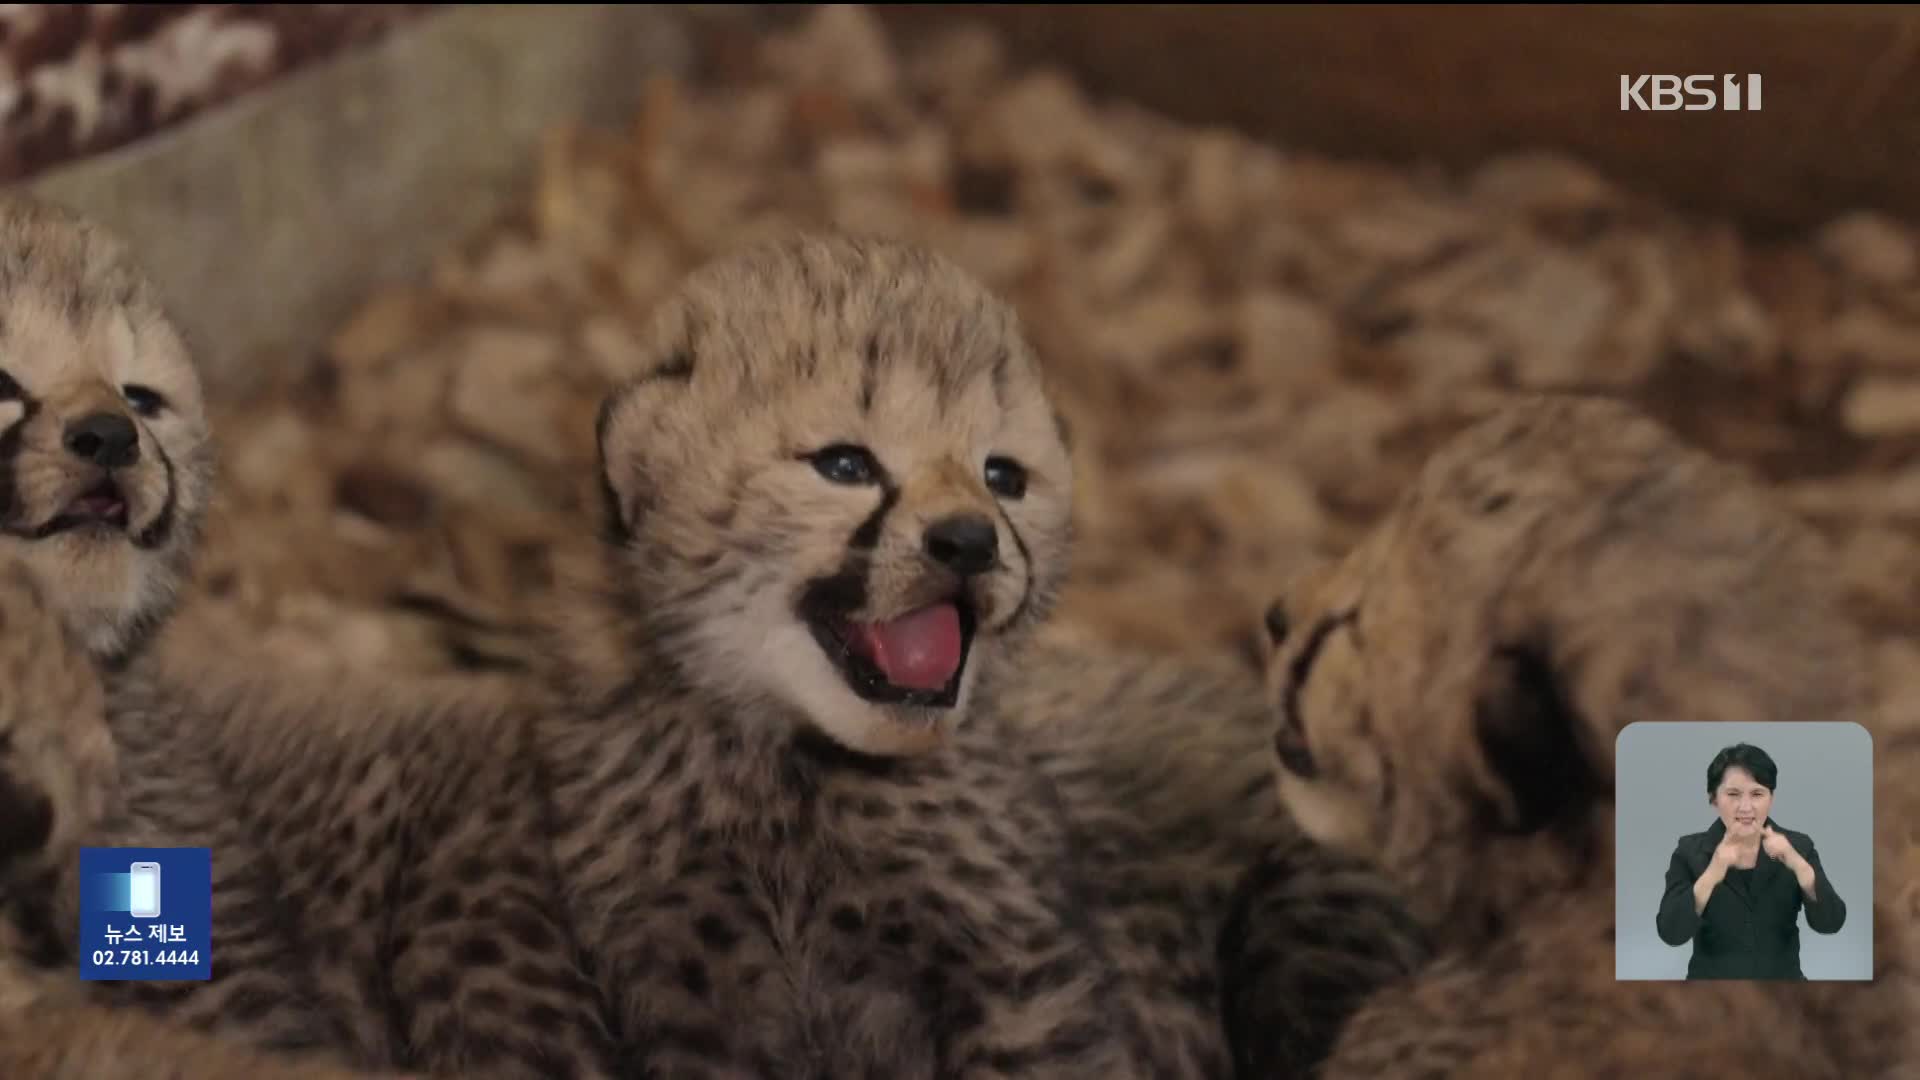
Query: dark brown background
{"points": [[1839, 128]]}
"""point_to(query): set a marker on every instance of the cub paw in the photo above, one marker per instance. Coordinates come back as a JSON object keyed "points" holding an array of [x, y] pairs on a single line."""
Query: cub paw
{"points": [[57, 763], [1310, 937]]}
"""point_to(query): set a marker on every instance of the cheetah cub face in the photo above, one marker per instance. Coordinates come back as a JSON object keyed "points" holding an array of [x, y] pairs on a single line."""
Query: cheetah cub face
{"points": [[841, 488], [104, 454]]}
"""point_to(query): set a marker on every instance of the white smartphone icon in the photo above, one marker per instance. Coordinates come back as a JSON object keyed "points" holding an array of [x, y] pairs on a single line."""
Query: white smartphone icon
{"points": [[144, 900]]}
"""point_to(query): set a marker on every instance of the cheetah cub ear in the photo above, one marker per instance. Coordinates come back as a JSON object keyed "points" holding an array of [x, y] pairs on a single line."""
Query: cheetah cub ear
{"points": [[1537, 749], [626, 488], [637, 428]]}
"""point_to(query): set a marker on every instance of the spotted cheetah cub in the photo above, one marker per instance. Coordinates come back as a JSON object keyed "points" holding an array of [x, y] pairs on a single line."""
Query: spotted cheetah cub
{"points": [[1449, 697], [824, 805], [100, 492], [818, 801], [48, 1031], [380, 895], [57, 763]]}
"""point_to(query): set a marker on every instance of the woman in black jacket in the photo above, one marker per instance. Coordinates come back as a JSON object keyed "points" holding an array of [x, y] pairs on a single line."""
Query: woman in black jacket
{"points": [[1737, 889]]}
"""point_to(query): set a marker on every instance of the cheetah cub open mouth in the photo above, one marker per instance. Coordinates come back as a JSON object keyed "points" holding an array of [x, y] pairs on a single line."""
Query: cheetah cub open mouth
{"points": [[102, 508], [913, 659]]}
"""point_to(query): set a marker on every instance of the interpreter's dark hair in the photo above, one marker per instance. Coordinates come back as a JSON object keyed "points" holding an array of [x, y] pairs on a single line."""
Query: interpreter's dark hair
{"points": [[1742, 756]]}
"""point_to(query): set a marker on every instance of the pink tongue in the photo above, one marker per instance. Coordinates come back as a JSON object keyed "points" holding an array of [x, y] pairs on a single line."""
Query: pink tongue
{"points": [[919, 650]]}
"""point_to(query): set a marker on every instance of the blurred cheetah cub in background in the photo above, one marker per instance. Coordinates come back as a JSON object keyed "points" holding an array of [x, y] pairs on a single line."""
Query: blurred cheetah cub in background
{"points": [[825, 807], [1449, 698]]}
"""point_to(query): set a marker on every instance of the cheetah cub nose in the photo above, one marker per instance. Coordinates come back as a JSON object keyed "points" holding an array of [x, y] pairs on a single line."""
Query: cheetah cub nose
{"points": [[967, 544], [108, 440]]}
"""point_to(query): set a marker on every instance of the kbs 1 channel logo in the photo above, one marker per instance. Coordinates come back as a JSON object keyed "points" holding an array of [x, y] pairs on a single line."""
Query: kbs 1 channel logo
{"points": [[1692, 93], [146, 914]]}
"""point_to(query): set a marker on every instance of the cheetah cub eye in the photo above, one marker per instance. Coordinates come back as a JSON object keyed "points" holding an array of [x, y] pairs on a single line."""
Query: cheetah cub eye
{"points": [[846, 464], [145, 400], [1277, 625], [1006, 477]]}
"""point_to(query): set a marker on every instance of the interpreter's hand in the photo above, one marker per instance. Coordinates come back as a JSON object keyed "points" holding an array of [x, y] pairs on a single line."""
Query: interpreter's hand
{"points": [[1778, 846], [1732, 851]]}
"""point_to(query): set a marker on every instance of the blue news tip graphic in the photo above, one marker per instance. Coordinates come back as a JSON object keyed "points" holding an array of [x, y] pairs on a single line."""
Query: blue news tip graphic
{"points": [[146, 914]]}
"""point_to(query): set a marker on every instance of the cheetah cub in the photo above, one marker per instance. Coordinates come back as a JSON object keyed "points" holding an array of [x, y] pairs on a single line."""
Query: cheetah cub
{"points": [[811, 800], [379, 891], [824, 806], [58, 768], [100, 494], [1449, 697]]}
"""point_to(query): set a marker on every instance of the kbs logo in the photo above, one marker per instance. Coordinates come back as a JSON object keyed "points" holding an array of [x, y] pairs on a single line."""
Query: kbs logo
{"points": [[1694, 93]]}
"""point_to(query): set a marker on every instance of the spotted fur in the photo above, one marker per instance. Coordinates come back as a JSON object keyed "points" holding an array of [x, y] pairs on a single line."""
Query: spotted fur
{"points": [[50, 1031], [776, 876], [55, 778], [704, 836], [1310, 936], [44, 766], [1448, 699]]}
